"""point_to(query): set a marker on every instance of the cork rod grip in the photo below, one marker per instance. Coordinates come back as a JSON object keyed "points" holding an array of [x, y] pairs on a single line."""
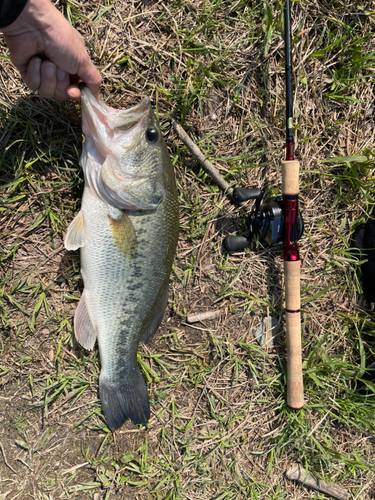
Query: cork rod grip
{"points": [[290, 177], [293, 335]]}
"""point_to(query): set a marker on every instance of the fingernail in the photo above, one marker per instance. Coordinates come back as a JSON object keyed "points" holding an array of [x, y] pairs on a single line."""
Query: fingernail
{"points": [[49, 70], [60, 74], [36, 65]]}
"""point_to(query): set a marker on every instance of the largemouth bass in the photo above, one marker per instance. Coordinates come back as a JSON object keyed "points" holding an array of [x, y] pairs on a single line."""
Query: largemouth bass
{"points": [[127, 231]]}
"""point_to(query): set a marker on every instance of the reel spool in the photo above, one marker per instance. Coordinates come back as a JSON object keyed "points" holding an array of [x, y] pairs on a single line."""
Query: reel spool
{"points": [[266, 222]]}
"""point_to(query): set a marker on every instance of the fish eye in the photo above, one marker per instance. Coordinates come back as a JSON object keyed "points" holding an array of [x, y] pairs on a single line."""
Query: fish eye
{"points": [[152, 135]]}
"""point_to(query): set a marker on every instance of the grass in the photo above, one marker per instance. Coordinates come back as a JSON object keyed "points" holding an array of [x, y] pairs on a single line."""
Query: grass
{"points": [[220, 428]]}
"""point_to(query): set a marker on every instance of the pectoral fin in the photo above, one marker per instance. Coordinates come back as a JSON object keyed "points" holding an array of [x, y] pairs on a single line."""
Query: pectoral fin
{"points": [[76, 236], [83, 327], [124, 235]]}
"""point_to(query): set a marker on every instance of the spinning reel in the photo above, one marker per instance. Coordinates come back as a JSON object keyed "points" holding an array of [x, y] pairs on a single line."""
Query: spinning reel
{"points": [[265, 223]]}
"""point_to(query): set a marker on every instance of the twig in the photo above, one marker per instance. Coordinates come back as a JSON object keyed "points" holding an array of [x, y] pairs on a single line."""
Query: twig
{"points": [[194, 318], [5, 459], [24, 463], [198, 155], [298, 473], [58, 250], [73, 469]]}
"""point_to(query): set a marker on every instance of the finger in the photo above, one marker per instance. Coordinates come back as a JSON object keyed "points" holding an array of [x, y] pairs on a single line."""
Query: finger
{"points": [[73, 92], [32, 77], [48, 82], [88, 73], [62, 83]]}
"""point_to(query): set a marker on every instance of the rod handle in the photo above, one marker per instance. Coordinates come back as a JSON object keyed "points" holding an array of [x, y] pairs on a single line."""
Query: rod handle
{"points": [[290, 177], [292, 270]]}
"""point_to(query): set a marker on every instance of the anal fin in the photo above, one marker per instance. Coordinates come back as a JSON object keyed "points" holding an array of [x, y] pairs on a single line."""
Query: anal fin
{"points": [[84, 329]]}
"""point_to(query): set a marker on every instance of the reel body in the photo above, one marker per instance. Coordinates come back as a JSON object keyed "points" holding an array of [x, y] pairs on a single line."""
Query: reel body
{"points": [[265, 223]]}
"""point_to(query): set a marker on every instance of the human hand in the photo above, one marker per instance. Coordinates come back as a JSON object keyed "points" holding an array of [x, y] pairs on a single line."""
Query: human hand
{"points": [[49, 53]]}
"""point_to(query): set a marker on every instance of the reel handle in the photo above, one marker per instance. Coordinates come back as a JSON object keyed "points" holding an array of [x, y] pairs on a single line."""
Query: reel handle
{"points": [[234, 243], [240, 195]]}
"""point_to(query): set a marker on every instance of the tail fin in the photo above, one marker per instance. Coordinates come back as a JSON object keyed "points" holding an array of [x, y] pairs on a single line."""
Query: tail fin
{"points": [[123, 401]]}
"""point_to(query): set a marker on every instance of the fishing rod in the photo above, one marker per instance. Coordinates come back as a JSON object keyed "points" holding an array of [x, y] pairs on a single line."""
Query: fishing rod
{"points": [[280, 222], [292, 264]]}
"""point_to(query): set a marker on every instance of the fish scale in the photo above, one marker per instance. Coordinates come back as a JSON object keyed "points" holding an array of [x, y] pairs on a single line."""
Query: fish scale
{"points": [[126, 254]]}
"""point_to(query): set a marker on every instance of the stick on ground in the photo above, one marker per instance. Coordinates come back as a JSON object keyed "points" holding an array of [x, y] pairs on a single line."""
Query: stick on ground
{"points": [[194, 318], [198, 155], [5, 459], [298, 473]]}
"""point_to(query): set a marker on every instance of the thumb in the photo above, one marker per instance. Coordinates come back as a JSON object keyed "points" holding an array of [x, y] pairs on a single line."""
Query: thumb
{"points": [[88, 73]]}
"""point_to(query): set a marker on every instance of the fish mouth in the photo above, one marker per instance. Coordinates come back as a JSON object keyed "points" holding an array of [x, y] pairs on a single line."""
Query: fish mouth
{"points": [[106, 125]]}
